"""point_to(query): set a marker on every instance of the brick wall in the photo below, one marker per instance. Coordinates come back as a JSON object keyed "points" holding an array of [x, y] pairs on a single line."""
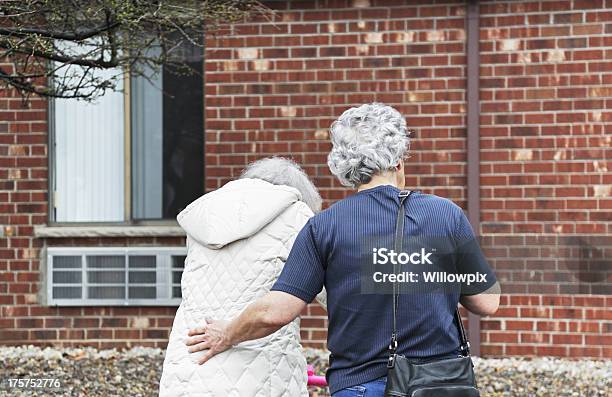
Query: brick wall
{"points": [[546, 112], [274, 88]]}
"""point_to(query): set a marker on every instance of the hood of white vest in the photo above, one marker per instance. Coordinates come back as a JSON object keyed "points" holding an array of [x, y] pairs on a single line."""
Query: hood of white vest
{"points": [[235, 211]]}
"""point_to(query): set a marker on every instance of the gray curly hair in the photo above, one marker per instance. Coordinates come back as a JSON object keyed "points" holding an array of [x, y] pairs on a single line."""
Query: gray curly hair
{"points": [[367, 140], [282, 171]]}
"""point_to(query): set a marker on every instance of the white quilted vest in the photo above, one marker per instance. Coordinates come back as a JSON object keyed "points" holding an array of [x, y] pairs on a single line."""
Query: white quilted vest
{"points": [[238, 239]]}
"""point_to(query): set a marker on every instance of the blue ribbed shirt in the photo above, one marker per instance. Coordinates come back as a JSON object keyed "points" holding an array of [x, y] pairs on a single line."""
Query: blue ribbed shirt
{"points": [[330, 251]]}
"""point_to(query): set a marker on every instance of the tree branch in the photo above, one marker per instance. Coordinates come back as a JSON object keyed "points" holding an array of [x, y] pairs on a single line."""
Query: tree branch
{"points": [[26, 32], [100, 63]]}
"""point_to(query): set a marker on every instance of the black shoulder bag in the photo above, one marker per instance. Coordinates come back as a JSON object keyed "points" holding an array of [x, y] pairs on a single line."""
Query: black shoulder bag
{"points": [[453, 377]]}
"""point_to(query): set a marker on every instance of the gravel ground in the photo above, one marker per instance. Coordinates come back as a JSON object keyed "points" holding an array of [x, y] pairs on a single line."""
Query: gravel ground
{"points": [[136, 372]]}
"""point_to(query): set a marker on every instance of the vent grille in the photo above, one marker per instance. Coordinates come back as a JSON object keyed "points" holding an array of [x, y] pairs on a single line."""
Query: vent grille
{"points": [[81, 276]]}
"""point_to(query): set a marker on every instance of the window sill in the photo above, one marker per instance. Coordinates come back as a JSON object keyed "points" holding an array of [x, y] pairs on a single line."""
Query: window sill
{"points": [[108, 231]]}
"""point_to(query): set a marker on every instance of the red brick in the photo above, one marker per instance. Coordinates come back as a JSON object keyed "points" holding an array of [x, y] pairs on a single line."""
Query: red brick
{"points": [[567, 339], [557, 351], [595, 352], [503, 337], [519, 325], [521, 350]]}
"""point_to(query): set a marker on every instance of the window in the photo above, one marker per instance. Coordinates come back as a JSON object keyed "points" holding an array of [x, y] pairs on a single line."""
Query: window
{"points": [[136, 155], [114, 276]]}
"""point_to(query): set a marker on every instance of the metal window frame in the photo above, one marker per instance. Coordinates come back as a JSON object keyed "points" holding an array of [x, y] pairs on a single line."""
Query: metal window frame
{"points": [[163, 271], [128, 219]]}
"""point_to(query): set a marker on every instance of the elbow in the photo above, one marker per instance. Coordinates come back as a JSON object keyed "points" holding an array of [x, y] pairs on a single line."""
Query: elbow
{"points": [[489, 305], [490, 308], [486, 303], [483, 304]]}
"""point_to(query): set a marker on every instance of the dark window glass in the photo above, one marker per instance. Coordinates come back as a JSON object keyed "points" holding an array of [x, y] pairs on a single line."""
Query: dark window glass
{"points": [[168, 138]]}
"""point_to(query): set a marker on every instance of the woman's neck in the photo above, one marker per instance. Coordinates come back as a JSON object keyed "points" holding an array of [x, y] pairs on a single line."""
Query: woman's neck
{"points": [[379, 180]]}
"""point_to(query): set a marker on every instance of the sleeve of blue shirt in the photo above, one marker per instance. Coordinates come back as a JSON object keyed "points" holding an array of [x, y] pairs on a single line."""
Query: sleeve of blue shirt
{"points": [[304, 273], [470, 259]]}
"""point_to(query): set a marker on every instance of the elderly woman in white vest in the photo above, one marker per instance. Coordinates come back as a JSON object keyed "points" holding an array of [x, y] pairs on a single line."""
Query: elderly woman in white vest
{"points": [[238, 239]]}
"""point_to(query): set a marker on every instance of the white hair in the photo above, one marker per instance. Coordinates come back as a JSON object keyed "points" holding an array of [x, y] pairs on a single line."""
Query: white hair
{"points": [[282, 171], [367, 140]]}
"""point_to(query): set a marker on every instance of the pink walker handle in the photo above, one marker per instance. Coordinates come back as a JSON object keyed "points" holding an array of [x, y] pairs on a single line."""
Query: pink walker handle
{"points": [[314, 380]]}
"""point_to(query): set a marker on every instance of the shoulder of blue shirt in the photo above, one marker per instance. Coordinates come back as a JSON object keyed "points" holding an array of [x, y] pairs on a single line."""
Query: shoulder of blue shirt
{"points": [[417, 197]]}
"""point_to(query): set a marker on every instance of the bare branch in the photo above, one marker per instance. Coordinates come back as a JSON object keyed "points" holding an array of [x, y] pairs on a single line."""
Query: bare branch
{"points": [[25, 32]]}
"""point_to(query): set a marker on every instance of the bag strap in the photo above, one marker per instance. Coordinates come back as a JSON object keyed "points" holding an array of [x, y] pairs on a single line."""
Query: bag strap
{"points": [[404, 195], [465, 343]]}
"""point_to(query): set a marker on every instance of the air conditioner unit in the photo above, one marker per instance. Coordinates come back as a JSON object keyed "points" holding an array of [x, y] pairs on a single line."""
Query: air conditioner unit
{"points": [[95, 276]]}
